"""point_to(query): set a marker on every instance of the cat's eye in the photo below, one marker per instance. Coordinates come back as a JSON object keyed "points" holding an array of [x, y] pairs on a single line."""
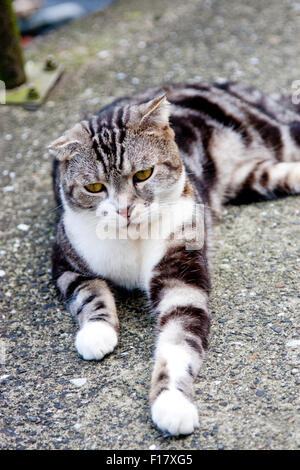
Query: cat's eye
{"points": [[94, 187], [142, 175]]}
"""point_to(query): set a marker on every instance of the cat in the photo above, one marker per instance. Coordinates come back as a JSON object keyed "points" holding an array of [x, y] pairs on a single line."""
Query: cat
{"points": [[178, 147]]}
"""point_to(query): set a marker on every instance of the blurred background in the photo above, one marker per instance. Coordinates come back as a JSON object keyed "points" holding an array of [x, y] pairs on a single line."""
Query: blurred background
{"points": [[39, 16]]}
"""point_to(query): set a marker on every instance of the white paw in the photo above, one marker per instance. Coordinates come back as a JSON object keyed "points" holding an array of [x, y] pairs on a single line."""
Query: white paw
{"points": [[94, 340], [174, 413]]}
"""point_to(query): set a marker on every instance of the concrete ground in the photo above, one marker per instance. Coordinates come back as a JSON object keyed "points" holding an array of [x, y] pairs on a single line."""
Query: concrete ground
{"points": [[248, 390]]}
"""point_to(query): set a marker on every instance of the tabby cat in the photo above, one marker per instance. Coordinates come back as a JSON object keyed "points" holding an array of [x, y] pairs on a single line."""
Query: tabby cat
{"points": [[177, 146]]}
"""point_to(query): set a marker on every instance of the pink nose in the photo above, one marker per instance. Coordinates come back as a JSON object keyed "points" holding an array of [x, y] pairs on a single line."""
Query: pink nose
{"points": [[124, 212]]}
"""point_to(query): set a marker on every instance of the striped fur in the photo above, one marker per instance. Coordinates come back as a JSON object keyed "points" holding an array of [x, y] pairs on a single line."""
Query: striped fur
{"points": [[206, 144]]}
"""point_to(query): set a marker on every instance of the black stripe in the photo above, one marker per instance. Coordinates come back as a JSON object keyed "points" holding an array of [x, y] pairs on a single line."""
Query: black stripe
{"points": [[95, 145], [98, 305], [232, 88], [198, 86], [246, 193], [162, 376], [92, 130], [196, 321], [122, 151], [264, 178], [188, 266], [88, 300], [270, 133], [190, 370], [59, 262], [74, 284], [100, 317], [56, 183], [194, 345], [122, 133], [208, 165], [186, 139], [248, 196], [113, 137], [223, 86], [185, 133], [119, 120], [204, 105], [295, 131], [104, 150], [67, 259]]}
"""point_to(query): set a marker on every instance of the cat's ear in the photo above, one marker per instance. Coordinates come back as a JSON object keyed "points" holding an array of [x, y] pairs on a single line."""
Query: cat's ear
{"points": [[153, 115], [156, 111], [67, 145]]}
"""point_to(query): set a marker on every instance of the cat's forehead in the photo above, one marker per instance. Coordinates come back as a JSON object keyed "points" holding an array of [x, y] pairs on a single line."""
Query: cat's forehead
{"points": [[124, 137], [110, 160], [119, 149]]}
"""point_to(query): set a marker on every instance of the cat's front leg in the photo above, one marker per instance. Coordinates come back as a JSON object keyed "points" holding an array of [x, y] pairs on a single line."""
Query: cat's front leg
{"points": [[178, 293], [92, 305]]}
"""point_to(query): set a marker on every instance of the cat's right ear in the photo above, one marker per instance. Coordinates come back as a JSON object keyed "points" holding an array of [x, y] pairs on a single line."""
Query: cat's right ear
{"points": [[67, 145]]}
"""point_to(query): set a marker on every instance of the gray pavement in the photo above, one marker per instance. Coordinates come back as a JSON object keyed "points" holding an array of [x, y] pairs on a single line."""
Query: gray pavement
{"points": [[248, 389]]}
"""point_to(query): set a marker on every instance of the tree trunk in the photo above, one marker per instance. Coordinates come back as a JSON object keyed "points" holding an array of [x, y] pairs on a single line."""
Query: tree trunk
{"points": [[11, 59]]}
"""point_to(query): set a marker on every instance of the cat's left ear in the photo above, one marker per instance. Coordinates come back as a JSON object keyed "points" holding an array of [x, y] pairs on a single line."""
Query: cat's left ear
{"points": [[67, 145], [154, 114]]}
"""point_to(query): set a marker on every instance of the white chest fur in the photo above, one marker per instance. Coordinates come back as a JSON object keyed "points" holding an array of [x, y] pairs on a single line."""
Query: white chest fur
{"points": [[126, 262]]}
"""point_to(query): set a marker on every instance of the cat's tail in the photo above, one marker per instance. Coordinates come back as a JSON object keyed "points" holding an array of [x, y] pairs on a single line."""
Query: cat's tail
{"points": [[276, 118], [268, 180]]}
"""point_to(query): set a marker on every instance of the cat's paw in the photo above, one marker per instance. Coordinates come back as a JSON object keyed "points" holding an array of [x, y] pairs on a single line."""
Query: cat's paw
{"points": [[95, 339], [172, 412]]}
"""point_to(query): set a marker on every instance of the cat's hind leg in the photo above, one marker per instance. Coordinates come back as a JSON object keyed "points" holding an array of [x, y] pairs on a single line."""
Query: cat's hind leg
{"points": [[92, 305]]}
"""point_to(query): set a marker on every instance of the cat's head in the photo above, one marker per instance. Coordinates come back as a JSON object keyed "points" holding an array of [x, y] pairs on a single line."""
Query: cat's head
{"points": [[121, 162]]}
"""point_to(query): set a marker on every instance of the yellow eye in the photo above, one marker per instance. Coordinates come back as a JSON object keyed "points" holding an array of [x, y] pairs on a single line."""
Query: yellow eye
{"points": [[94, 187], [143, 175]]}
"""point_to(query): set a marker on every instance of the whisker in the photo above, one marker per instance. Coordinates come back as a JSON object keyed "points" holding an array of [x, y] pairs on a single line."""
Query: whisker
{"points": [[54, 208]]}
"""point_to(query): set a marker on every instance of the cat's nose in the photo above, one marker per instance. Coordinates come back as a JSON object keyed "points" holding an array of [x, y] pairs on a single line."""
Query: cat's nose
{"points": [[124, 212]]}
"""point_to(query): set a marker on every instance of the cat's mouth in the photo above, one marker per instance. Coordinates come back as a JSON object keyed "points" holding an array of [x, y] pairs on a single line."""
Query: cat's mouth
{"points": [[131, 215], [120, 225]]}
